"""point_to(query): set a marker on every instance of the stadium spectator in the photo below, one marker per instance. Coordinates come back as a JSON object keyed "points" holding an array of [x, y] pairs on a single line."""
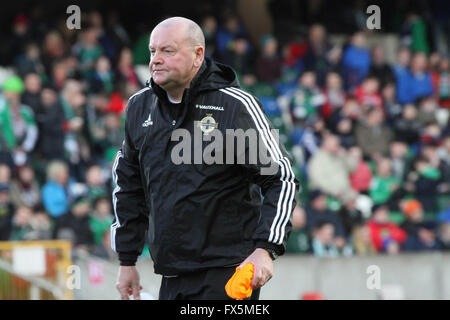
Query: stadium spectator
{"points": [[386, 236], [299, 240], [355, 61], [330, 167], [317, 212], [323, 240], [19, 37], [59, 75], [50, 120], [41, 226], [268, 64], [102, 78], [402, 75], [309, 137], [431, 135], [430, 152], [307, 99], [317, 54], [422, 182], [25, 188], [113, 130], [334, 93], [361, 241], [414, 33], [392, 108], [443, 236], [441, 80], [421, 234], [76, 223], [55, 196], [125, 75], [71, 69], [228, 32], [407, 128], [54, 49], [368, 95], [115, 31], [100, 218], [384, 184], [361, 177], [95, 20], [88, 50], [77, 132], [17, 121], [209, 28], [96, 109], [346, 133], [350, 110], [95, 182], [420, 83], [239, 56], [103, 250], [350, 216], [30, 61], [372, 135], [379, 68], [400, 159], [31, 95], [21, 224], [6, 212], [443, 152], [427, 110], [5, 173]]}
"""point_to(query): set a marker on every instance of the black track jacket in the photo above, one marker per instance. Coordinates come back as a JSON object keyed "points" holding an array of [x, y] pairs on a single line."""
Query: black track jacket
{"points": [[197, 216]]}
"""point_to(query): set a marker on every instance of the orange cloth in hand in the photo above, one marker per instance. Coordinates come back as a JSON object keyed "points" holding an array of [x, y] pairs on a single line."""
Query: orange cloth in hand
{"points": [[238, 287]]}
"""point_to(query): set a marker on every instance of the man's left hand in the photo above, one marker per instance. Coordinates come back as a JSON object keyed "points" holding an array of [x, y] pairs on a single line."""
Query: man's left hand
{"points": [[263, 265]]}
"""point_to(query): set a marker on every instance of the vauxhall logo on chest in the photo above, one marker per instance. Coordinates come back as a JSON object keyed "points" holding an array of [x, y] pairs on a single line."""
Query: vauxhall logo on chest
{"points": [[206, 107]]}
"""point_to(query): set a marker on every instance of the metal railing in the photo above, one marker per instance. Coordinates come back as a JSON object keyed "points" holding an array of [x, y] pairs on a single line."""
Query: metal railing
{"points": [[35, 270]]}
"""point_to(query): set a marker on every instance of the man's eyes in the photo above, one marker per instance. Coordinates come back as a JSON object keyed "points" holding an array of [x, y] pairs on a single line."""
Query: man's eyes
{"points": [[165, 51]]}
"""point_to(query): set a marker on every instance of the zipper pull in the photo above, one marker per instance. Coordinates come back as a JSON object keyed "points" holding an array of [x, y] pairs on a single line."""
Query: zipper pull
{"points": [[173, 122]]}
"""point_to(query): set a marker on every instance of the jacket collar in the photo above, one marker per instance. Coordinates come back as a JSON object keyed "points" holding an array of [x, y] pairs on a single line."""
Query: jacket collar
{"points": [[196, 81], [211, 76]]}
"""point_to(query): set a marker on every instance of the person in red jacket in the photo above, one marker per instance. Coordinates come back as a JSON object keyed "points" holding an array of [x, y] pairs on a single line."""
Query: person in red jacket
{"points": [[386, 236], [361, 177], [368, 94]]}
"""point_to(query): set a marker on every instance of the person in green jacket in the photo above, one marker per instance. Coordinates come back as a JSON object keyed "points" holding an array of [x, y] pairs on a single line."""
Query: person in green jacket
{"points": [[384, 183], [18, 130], [101, 218]]}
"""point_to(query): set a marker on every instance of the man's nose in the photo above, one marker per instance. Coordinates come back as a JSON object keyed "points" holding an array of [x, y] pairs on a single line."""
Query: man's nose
{"points": [[156, 59]]}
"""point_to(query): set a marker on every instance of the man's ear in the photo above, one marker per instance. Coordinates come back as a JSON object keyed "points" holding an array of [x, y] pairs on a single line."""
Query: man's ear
{"points": [[199, 56]]}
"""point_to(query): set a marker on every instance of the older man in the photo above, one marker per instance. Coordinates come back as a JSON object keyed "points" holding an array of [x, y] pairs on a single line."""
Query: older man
{"points": [[202, 219], [330, 167]]}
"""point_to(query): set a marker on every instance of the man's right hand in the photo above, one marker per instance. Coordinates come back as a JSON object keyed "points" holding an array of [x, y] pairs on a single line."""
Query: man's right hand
{"points": [[128, 282]]}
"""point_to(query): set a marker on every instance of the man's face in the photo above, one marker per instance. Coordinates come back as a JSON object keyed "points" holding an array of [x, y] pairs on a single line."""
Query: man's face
{"points": [[403, 57], [320, 203], [4, 197], [375, 118], [326, 233], [12, 97], [331, 144], [419, 62], [171, 57], [48, 97]]}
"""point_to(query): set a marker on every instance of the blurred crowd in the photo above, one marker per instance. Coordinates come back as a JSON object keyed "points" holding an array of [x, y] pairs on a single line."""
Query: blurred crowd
{"points": [[369, 139]]}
